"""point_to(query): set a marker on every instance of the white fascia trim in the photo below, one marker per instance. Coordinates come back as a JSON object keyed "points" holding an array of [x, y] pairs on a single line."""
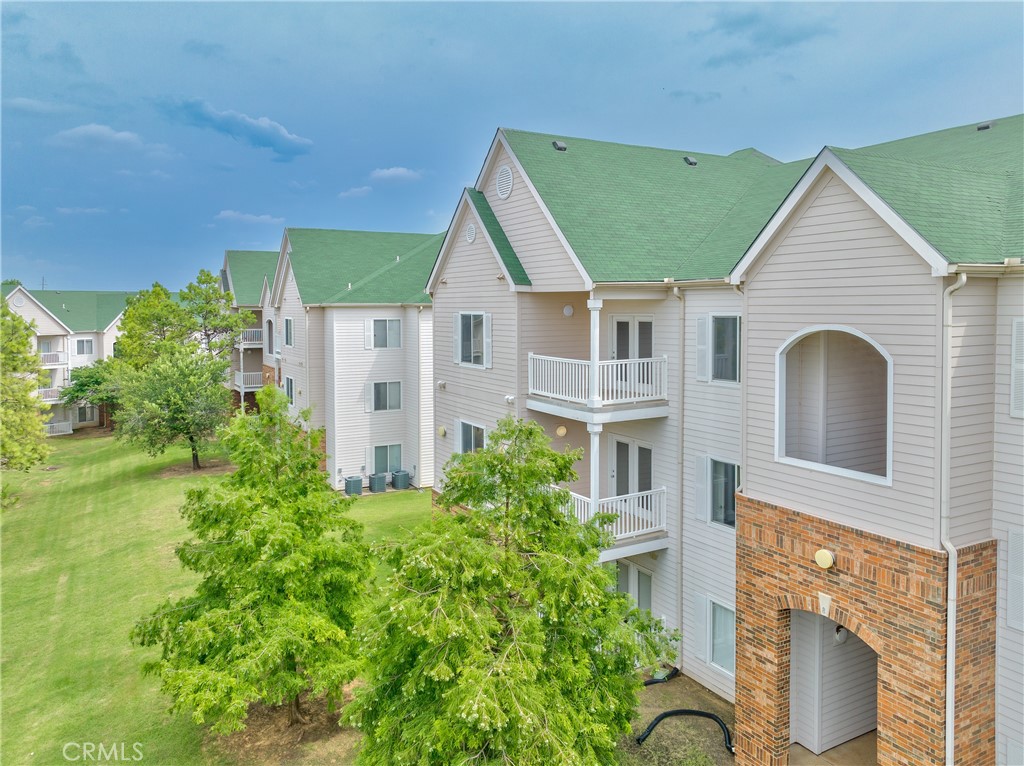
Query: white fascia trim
{"points": [[278, 286], [494, 250], [827, 160], [634, 549], [588, 283], [40, 305], [113, 322], [442, 254], [265, 297]]}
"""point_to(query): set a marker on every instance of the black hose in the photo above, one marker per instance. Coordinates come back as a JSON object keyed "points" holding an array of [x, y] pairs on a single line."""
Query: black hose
{"points": [[671, 674], [700, 713]]}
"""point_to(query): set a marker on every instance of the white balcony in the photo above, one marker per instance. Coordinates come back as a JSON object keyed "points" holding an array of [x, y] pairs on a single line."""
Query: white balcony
{"points": [[58, 429], [251, 338], [626, 389], [53, 358], [637, 514], [49, 394], [248, 381]]}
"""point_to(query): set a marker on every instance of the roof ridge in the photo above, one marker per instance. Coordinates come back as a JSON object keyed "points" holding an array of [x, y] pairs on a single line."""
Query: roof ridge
{"points": [[630, 146], [412, 253], [936, 164]]}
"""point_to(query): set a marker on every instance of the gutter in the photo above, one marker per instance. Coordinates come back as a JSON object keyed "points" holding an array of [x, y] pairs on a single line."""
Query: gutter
{"points": [[944, 493]]}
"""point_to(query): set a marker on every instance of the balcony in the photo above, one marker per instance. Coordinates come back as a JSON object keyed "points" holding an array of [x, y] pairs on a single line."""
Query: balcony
{"points": [[53, 358], [58, 429], [251, 339], [626, 389], [49, 395], [248, 381], [640, 525]]}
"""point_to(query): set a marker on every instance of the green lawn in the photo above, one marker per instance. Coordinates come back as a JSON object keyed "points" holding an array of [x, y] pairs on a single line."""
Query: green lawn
{"points": [[87, 551]]}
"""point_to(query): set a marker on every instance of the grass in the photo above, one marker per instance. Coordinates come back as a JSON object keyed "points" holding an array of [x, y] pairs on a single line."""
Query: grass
{"points": [[87, 551]]}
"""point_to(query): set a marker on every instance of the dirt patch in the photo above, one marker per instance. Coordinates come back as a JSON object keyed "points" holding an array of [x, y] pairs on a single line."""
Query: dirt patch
{"points": [[210, 467], [269, 739], [52, 468]]}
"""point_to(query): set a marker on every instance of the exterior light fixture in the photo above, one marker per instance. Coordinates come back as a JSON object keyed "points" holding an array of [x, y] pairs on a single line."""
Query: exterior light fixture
{"points": [[567, 310], [441, 431], [825, 559], [841, 635], [561, 431]]}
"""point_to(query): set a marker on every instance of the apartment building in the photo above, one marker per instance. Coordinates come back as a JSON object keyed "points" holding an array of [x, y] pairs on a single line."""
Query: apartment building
{"points": [[244, 274], [799, 386], [347, 334], [74, 328]]}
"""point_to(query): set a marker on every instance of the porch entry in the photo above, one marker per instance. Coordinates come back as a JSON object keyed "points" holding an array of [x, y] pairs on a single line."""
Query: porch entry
{"points": [[632, 472], [833, 683], [633, 338]]}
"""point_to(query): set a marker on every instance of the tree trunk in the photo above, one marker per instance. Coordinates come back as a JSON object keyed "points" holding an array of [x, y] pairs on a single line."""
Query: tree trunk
{"points": [[295, 714], [195, 453]]}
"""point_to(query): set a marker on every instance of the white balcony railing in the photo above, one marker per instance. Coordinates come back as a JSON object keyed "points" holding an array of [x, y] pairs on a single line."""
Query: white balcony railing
{"points": [[49, 394], [58, 429], [54, 357], [638, 513], [619, 381], [251, 338], [248, 381]]}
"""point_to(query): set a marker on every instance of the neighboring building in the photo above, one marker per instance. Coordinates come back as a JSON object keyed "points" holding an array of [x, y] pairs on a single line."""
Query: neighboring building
{"points": [[244, 274], [591, 287], [347, 334], [74, 328]]}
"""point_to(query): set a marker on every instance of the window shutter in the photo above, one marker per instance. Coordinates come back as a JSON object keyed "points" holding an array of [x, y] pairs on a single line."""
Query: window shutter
{"points": [[368, 458], [456, 339], [700, 627], [1015, 581], [367, 333], [487, 340], [703, 360], [457, 446], [368, 397], [700, 487], [1017, 370]]}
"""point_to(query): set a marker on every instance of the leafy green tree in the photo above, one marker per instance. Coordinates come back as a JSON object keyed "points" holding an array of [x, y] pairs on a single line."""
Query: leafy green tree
{"points": [[216, 325], [97, 383], [283, 572], [500, 639], [22, 413], [153, 322], [179, 396]]}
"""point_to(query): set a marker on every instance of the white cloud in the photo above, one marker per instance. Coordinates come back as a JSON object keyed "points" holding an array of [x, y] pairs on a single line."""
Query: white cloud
{"points": [[234, 215], [25, 209], [80, 210], [395, 174], [358, 191], [36, 222], [95, 137], [35, 106]]}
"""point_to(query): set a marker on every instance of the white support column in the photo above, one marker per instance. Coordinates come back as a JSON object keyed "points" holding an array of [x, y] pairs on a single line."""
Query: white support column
{"points": [[594, 400], [595, 465]]}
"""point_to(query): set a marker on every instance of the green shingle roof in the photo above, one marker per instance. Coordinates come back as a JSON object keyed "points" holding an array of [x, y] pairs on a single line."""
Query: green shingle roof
{"points": [[497, 235], [83, 310], [248, 268], [382, 267], [635, 213]]}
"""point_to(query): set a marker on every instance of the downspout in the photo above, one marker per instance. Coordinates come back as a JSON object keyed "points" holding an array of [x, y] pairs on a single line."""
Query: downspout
{"points": [[944, 492], [680, 462]]}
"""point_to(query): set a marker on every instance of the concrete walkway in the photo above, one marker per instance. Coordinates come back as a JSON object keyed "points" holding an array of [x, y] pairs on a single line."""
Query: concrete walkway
{"points": [[860, 751]]}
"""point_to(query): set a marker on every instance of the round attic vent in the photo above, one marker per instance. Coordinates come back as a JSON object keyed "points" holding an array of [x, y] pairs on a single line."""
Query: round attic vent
{"points": [[19, 300], [504, 181], [470, 233]]}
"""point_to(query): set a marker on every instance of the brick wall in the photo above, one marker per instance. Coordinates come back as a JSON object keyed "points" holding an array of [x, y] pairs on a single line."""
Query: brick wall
{"points": [[893, 596]]}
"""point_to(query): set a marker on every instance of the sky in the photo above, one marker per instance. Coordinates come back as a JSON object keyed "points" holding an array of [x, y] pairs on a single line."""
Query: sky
{"points": [[140, 140]]}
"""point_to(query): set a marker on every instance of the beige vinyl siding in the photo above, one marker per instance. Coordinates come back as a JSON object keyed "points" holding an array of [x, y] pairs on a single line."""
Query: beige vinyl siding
{"points": [[804, 399], [293, 358], [540, 251], [313, 345], [711, 429], [837, 263], [472, 394], [973, 392], [419, 366], [544, 329], [83, 360], [805, 680], [855, 412], [1007, 502], [33, 312], [109, 338]]}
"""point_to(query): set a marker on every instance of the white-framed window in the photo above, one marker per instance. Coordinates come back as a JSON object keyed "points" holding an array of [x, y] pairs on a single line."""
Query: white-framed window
{"points": [[834, 403], [715, 483], [472, 339], [44, 346], [385, 396], [382, 333], [722, 636], [471, 436], [289, 389], [1017, 369], [86, 413], [289, 331], [636, 581], [84, 347], [269, 339], [387, 458], [718, 348]]}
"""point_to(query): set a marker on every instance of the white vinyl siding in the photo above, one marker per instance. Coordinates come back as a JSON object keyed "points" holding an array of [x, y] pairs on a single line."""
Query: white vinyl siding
{"points": [[1015, 581], [472, 338], [838, 264], [1017, 370]]}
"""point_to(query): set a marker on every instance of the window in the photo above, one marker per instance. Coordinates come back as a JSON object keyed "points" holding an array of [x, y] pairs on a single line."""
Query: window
{"points": [[725, 349], [387, 396], [723, 493], [723, 637], [833, 404], [289, 389], [83, 346], [387, 458], [289, 332], [472, 338], [471, 437], [44, 346], [270, 337], [86, 414], [384, 333], [636, 582]]}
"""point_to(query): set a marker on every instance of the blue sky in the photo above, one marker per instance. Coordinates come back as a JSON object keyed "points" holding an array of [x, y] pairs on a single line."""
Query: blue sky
{"points": [[141, 140]]}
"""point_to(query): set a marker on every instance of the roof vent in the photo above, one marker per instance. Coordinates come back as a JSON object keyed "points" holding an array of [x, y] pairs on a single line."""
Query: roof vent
{"points": [[985, 126], [503, 183], [398, 258], [349, 285], [559, 146], [690, 161], [470, 233]]}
